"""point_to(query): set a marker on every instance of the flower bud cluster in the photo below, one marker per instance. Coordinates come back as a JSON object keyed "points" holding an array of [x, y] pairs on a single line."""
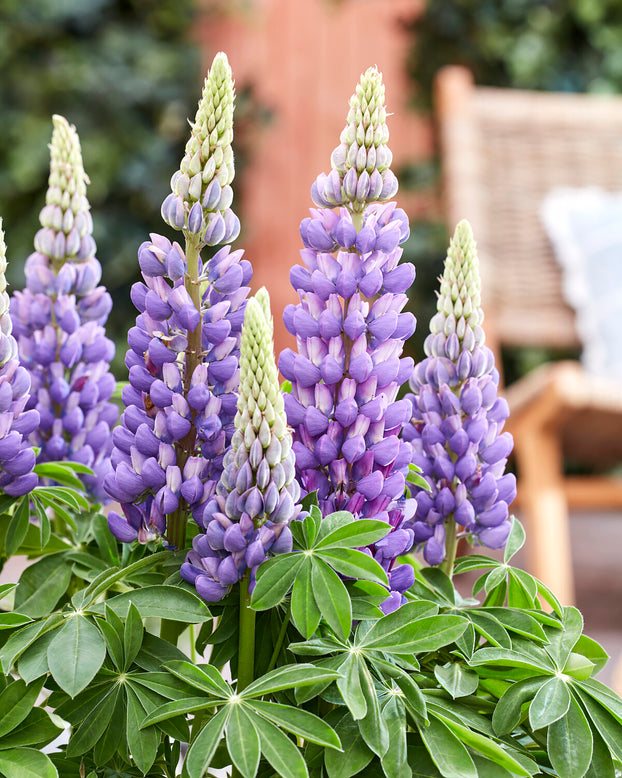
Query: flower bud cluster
{"points": [[176, 426], [256, 498], [361, 163], [201, 198], [58, 322], [458, 417], [17, 458], [350, 332]]}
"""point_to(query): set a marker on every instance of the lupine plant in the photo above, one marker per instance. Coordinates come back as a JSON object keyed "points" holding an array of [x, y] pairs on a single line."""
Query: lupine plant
{"points": [[272, 591]]}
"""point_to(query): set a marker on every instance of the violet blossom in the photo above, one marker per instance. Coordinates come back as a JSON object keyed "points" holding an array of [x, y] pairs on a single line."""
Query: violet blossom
{"points": [[350, 332], [183, 355], [59, 323], [17, 457], [257, 494], [458, 417]]}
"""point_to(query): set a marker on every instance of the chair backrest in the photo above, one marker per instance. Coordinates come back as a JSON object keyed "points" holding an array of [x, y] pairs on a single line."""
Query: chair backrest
{"points": [[502, 151]]}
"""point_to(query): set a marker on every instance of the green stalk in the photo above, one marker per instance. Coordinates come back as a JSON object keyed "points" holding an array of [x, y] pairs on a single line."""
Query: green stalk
{"points": [[280, 638], [451, 544], [246, 650]]}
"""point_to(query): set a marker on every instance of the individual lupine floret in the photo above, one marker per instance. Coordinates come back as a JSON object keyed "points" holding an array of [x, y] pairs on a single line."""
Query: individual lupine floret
{"points": [[17, 458], [458, 417], [58, 321], [350, 332], [257, 495], [202, 195], [184, 349]]}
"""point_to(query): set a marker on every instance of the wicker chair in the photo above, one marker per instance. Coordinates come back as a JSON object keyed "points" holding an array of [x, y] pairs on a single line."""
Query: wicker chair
{"points": [[502, 151]]}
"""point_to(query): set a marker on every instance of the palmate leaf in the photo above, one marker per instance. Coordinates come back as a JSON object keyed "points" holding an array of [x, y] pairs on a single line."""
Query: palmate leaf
{"points": [[204, 677], [349, 685], [243, 742], [507, 713], [203, 747], [394, 762], [457, 680], [332, 598], [142, 743], [94, 725], [288, 677], [372, 726], [355, 755], [42, 584], [175, 603], [305, 612], [550, 703], [275, 578], [279, 750], [38, 729], [447, 751], [16, 702]]}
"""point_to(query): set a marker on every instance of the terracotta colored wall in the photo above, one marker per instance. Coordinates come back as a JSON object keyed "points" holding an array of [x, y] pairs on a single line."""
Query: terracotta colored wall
{"points": [[304, 58]]}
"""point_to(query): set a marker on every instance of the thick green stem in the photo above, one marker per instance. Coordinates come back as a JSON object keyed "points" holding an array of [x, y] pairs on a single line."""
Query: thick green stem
{"points": [[451, 545], [246, 652], [280, 638]]}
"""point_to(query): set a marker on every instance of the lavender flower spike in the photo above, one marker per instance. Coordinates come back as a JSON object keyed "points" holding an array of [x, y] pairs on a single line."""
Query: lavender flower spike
{"points": [[184, 349], [59, 319], [248, 517], [456, 430], [201, 196], [17, 459], [350, 332]]}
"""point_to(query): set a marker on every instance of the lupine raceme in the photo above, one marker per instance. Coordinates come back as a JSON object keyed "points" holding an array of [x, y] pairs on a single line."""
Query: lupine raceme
{"points": [[458, 417], [59, 323], [183, 356], [350, 332], [17, 458], [257, 495]]}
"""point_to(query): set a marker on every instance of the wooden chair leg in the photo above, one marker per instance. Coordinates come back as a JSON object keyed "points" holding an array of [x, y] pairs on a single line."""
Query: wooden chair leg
{"points": [[541, 487]]}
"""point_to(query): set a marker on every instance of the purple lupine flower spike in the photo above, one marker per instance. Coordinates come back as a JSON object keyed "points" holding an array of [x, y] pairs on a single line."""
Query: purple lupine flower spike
{"points": [[458, 418], [350, 332], [58, 321], [184, 349], [248, 517], [17, 458]]}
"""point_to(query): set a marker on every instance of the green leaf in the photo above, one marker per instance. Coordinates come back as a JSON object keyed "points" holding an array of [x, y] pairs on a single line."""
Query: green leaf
{"points": [[389, 631], [355, 755], [561, 642], [57, 472], [484, 745], [203, 677], [354, 534], [243, 741], [507, 713], [114, 643], [551, 702], [18, 526], [593, 651], [373, 727], [305, 612], [490, 628], [522, 590], [33, 663], [167, 602], [274, 580], [569, 743], [11, 620], [601, 765], [42, 584], [37, 729], [114, 733], [578, 666], [94, 725], [332, 598], [16, 702], [20, 640], [142, 743], [163, 684], [288, 677], [132, 636], [609, 727], [350, 686], [299, 721], [26, 763], [515, 541], [457, 680], [6, 589], [394, 762], [175, 727], [413, 699], [75, 654], [279, 750], [111, 576], [510, 658], [177, 708], [354, 564], [446, 750], [205, 744]]}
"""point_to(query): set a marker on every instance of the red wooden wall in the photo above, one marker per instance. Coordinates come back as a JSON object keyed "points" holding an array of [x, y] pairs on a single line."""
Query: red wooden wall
{"points": [[304, 59]]}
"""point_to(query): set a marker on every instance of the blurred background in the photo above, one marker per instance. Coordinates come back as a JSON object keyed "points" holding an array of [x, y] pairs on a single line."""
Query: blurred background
{"points": [[128, 74]]}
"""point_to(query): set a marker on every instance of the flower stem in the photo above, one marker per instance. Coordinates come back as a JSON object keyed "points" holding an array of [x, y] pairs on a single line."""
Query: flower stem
{"points": [[246, 651], [451, 545], [280, 638]]}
